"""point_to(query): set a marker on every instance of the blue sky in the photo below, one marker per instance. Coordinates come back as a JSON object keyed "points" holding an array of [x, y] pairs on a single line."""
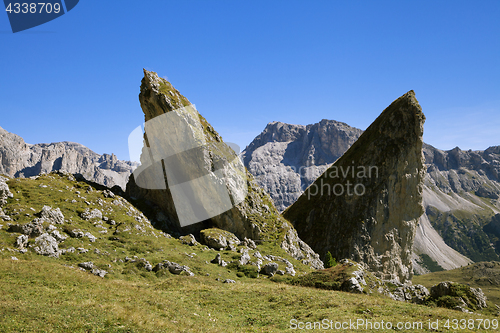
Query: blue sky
{"points": [[247, 63]]}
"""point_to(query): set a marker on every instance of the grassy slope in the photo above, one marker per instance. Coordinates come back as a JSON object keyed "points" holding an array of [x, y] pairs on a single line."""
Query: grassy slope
{"points": [[42, 294]]}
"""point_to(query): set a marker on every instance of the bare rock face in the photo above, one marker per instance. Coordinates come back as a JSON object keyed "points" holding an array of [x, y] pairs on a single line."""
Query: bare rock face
{"points": [[5, 192], [366, 206], [285, 159], [164, 177], [19, 159]]}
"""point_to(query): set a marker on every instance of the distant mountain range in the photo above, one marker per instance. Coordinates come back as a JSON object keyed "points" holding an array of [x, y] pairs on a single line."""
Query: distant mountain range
{"points": [[20, 159], [461, 191]]}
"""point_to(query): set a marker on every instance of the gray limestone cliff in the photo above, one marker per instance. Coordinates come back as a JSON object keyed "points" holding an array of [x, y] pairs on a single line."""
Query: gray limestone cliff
{"points": [[461, 199], [366, 206], [285, 159], [20, 159], [171, 121]]}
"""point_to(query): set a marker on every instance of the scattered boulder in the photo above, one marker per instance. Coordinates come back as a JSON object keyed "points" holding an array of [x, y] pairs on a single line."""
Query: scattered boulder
{"points": [[32, 229], [173, 268], [58, 236], [158, 267], [86, 265], [4, 217], [76, 233], [99, 272], [4, 191], [68, 250], [91, 214], [108, 194], [145, 264], [352, 285], [218, 239], [249, 243], [451, 294], [89, 266], [188, 240], [177, 269], [409, 293], [229, 281], [53, 216], [290, 270], [245, 258], [21, 241], [269, 269], [91, 237], [218, 260], [46, 245]]}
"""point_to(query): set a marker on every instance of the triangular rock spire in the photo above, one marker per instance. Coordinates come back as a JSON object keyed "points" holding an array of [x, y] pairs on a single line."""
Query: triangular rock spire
{"points": [[366, 206], [196, 180]]}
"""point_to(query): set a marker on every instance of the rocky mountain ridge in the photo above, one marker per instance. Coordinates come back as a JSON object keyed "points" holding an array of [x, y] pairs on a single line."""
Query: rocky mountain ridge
{"points": [[20, 159], [285, 159], [461, 195]]}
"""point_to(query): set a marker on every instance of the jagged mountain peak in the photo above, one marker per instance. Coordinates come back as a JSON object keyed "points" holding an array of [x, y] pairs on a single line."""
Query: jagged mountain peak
{"points": [[20, 159], [286, 158]]}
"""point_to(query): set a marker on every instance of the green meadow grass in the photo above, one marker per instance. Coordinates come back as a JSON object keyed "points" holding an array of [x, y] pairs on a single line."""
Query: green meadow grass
{"points": [[42, 294]]}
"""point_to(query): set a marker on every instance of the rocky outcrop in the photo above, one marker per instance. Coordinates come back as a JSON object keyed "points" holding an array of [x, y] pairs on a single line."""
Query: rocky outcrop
{"points": [[173, 268], [460, 192], [458, 296], [218, 239], [20, 159], [5, 193], [285, 159], [47, 245], [195, 179], [366, 206]]}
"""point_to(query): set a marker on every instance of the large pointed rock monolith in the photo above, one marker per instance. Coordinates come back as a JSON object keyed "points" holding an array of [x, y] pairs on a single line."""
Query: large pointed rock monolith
{"points": [[366, 206], [196, 180]]}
